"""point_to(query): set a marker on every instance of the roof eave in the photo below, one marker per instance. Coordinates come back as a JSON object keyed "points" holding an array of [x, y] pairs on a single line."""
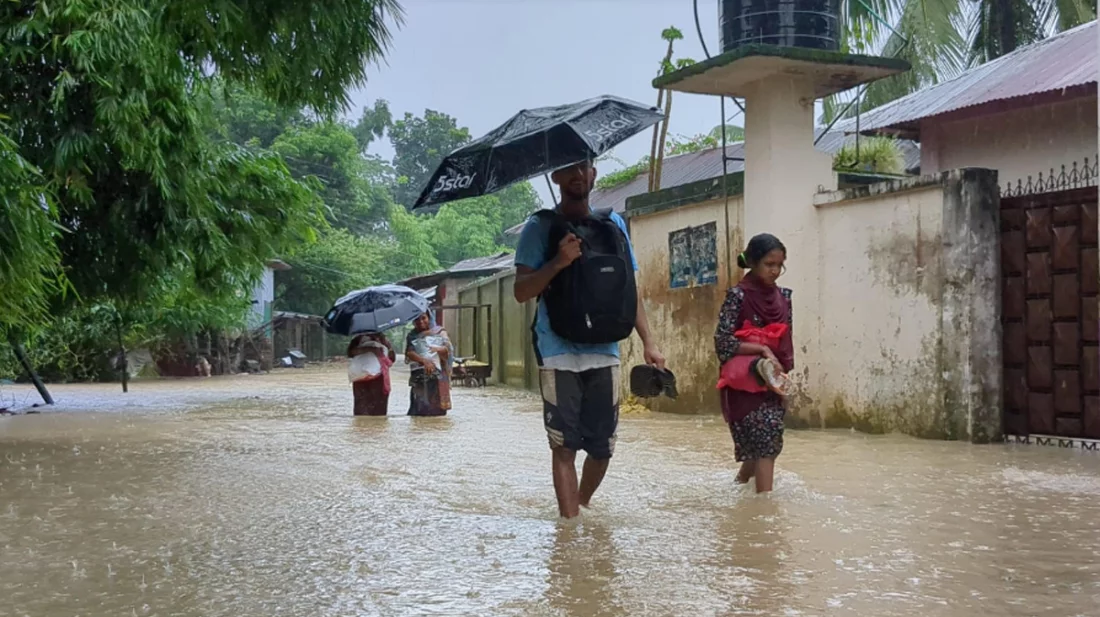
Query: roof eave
{"points": [[910, 128]]}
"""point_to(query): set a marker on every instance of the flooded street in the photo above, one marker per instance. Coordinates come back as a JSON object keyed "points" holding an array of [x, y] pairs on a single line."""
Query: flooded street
{"points": [[263, 496]]}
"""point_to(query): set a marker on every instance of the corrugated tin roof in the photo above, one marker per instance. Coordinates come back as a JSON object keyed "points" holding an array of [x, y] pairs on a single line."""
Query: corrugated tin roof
{"points": [[475, 266], [501, 261], [707, 164], [1062, 61]]}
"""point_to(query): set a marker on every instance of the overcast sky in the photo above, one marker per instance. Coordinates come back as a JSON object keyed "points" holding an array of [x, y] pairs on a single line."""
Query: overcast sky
{"points": [[482, 61]]}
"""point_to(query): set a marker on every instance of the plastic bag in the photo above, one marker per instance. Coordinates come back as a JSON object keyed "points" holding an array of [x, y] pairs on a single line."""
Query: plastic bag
{"points": [[423, 347], [364, 367]]}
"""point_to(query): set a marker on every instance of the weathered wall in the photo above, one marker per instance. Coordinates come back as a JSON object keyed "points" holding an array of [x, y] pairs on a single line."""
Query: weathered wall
{"points": [[878, 310], [896, 303], [1017, 143], [909, 309], [682, 320]]}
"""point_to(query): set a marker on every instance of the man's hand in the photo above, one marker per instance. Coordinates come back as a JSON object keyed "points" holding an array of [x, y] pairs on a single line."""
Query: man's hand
{"points": [[653, 356], [569, 250]]}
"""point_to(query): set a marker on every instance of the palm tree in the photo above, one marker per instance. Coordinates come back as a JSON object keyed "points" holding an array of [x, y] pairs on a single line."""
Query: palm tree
{"points": [[941, 38], [998, 27]]}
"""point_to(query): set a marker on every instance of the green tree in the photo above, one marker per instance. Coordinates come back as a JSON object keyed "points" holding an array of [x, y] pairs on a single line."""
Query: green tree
{"points": [[110, 157], [30, 270], [676, 145], [419, 144], [680, 144], [103, 96], [373, 123], [329, 152], [733, 133], [249, 119], [998, 27], [323, 271], [414, 240], [671, 35]]}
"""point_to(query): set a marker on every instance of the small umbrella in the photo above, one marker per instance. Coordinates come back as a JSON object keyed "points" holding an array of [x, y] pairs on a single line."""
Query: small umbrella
{"points": [[375, 309], [534, 142]]}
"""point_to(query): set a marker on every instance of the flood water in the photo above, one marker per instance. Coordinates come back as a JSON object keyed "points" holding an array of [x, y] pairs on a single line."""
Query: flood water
{"points": [[262, 496]]}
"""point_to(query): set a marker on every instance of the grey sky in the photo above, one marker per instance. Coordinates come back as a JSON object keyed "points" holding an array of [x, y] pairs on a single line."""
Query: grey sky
{"points": [[481, 61]]}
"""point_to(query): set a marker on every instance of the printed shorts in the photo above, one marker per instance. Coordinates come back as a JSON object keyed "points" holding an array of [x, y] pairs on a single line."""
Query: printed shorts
{"points": [[581, 410]]}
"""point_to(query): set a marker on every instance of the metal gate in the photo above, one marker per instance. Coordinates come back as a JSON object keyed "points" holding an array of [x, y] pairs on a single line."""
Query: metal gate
{"points": [[1051, 270]]}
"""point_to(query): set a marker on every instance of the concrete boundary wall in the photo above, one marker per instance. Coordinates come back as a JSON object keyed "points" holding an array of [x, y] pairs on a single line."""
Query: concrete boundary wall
{"points": [[909, 309], [896, 301]]}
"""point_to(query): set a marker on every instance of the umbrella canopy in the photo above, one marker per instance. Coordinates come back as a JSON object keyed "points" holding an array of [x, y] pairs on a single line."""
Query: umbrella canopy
{"points": [[534, 142], [375, 309]]}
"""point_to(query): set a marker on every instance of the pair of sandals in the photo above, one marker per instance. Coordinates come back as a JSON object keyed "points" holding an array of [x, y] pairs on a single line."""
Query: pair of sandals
{"points": [[649, 381]]}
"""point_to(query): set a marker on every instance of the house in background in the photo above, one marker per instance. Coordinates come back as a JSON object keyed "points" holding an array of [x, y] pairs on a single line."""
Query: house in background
{"points": [[441, 287], [695, 167], [959, 304], [1032, 117], [1022, 114], [263, 294], [910, 278]]}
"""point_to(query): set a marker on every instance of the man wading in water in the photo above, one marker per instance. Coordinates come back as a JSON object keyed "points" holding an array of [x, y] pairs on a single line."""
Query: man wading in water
{"points": [[585, 307]]}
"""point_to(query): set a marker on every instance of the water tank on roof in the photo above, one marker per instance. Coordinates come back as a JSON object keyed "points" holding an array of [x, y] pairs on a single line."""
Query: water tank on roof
{"points": [[811, 24]]}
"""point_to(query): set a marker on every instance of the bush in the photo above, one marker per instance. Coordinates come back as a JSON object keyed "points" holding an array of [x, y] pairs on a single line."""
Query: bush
{"points": [[880, 155]]}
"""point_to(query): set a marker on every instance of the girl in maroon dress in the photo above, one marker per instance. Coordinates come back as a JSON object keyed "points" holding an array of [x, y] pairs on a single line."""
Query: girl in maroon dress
{"points": [[756, 418]]}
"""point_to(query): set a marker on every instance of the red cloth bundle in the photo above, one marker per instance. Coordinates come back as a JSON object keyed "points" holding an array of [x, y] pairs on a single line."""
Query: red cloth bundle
{"points": [[736, 373]]}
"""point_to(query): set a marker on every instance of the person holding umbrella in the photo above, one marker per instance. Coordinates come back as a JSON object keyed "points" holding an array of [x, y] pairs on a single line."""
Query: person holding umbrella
{"points": [[578, 263], [365, 314], [579, 380]]}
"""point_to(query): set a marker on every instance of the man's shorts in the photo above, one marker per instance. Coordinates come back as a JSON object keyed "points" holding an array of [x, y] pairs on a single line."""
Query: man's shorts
{"points": [[581, 410]]}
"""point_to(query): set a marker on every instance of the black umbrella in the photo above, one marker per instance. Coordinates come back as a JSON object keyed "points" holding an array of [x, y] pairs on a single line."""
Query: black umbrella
{"points": [[375, 309], [534, 142]]}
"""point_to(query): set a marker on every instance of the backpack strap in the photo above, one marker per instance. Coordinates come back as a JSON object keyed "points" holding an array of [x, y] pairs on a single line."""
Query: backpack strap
{"points": [[545, 214], [555, 229], [602, 214]]}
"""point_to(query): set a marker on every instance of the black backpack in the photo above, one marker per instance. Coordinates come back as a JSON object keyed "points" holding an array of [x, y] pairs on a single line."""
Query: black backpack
{"points": [[595, 299]]}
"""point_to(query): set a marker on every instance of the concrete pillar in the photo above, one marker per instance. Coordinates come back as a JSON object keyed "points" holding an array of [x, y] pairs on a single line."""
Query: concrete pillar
{"points": [[783, 171], [973, 364]]}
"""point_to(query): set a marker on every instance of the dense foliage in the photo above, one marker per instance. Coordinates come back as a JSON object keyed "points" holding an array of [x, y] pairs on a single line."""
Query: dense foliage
{"points": [[117, 193], [154, 155], [370, 236]]}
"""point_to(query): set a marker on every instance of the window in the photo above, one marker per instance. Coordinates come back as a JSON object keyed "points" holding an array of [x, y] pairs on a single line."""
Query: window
{"points": [[693, 256]]}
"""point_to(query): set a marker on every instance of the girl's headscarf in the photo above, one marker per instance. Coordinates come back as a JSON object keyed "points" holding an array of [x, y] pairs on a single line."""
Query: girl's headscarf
{"points": [[768, 304]]}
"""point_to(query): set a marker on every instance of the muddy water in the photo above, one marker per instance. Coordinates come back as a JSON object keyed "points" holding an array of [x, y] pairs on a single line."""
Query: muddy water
{"points": [[261, 496]]}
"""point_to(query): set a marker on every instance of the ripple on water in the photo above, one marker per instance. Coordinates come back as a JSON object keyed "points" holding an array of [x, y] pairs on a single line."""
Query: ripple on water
{"points": [[261, 495]]}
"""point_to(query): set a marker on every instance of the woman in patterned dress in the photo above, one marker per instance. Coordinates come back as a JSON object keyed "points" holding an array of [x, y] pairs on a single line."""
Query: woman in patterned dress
{"points": [[756, 419], [430, 353]]}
